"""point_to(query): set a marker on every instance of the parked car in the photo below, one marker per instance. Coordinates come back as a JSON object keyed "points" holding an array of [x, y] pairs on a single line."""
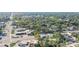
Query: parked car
{"points": [[0, 37], [6, 45], [22, 45], [4, 34]]}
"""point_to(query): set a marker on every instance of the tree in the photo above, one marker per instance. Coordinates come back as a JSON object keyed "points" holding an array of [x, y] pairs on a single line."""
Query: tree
{"points": [[37, 35]]}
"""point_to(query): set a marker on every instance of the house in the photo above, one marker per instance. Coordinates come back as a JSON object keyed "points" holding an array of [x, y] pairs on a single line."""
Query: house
{"points": [[72, 28], [29, 31], [43, 35], [69, 37], [23, 31], [20, 31]]}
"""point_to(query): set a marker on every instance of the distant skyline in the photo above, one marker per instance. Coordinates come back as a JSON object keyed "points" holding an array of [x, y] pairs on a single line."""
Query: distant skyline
{"points": [[39, 13]]}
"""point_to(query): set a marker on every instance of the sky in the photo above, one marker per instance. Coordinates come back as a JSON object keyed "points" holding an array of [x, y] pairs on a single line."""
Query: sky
{"points": [[39, 5]]}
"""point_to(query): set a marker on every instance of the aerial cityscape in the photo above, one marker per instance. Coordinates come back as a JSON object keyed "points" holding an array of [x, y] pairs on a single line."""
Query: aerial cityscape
{"points": [[39, 29]]}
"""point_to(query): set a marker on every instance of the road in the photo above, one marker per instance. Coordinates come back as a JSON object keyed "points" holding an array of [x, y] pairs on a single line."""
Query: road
{"points": [[7, 38], [7, 29]]}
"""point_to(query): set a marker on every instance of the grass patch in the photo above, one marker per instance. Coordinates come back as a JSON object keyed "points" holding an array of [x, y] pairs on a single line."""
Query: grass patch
{"points": [[12, 32], [12, 44]]}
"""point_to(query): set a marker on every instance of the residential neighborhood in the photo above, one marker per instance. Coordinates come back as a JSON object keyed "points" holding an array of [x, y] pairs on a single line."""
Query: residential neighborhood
{"points": [[39, 29]]}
